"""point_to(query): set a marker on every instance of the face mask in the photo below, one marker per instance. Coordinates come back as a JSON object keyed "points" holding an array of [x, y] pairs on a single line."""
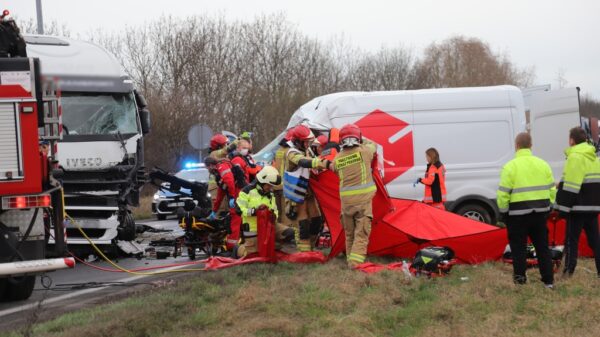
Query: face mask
{"points": [[244, 152]]}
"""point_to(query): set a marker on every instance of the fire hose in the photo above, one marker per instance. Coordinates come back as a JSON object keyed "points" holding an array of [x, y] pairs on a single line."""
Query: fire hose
{"points": [[138, 271]]}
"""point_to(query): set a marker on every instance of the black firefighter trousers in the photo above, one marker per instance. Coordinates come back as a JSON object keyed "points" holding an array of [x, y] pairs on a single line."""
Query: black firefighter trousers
{"points": [[532, 226], [575, 223]]}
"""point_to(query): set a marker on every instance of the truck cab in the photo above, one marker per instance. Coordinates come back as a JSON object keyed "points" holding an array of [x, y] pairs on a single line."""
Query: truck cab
{"points": [[101, 151]]}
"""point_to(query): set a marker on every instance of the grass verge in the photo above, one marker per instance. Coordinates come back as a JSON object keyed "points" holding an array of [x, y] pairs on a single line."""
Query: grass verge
{"points": [[330, 300]]}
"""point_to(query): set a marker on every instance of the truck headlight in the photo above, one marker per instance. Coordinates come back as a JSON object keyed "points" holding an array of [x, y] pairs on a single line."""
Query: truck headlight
{"points": [[156, 197]]}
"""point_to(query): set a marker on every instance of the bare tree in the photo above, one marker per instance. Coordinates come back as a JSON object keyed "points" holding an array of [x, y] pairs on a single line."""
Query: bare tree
{"points": [[251, 76], [463, 62]]}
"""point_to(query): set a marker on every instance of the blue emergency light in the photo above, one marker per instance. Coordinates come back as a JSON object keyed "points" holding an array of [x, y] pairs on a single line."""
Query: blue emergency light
{"points": [[191, 165]]}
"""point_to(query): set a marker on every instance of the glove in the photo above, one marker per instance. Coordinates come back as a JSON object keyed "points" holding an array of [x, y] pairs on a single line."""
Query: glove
{"points": [[231, 203], [212, 215], [416, 182]]}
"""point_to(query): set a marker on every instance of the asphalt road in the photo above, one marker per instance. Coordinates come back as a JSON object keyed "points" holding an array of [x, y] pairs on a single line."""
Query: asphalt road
{"points": [[82, 286]]}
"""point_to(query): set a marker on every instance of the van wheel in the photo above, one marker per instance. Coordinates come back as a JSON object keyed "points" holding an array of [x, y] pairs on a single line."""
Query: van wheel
{"points": [[475, 212], [19, 288]]}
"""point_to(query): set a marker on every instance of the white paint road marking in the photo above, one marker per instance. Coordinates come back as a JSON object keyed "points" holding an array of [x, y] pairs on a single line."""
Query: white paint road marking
{"points": [[75, 294]]}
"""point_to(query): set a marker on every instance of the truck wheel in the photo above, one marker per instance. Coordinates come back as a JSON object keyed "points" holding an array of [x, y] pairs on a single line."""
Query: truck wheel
{"points": [[475, 212], [127, 228], [19, 288], [161, 216]]}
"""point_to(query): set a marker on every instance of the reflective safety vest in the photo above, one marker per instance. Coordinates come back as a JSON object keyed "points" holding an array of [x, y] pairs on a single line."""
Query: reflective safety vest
{"points": [[249, 199], [353, 167], [295, 183], [579, 188], [435, 183], [526, 185]]}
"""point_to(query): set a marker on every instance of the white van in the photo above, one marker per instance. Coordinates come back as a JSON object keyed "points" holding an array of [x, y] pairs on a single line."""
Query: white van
{"points": [[472, 128]]}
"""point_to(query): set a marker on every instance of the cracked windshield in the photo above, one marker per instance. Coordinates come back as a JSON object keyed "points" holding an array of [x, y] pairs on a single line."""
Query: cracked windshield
{"points": [[93, 114]]}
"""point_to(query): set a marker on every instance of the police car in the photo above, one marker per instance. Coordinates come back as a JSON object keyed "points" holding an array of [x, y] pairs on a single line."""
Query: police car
{"points": [[165, 203]]}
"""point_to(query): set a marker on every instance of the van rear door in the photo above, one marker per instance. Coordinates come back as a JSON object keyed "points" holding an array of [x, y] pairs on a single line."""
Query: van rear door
{"points": [[551, 114]]}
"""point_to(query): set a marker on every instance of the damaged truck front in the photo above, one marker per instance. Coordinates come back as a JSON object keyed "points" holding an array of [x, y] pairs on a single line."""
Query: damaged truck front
{"points": [[102, 150]]}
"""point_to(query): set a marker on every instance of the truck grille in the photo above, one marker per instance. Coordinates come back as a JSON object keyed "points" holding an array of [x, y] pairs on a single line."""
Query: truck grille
{"points": [[10, 145]]}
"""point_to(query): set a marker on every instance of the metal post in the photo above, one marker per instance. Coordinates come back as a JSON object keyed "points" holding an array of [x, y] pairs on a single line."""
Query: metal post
{"points": [[40, 19]]}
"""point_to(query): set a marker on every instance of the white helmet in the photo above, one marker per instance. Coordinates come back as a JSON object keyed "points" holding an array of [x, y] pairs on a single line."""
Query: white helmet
{"points": [[269, 175]]}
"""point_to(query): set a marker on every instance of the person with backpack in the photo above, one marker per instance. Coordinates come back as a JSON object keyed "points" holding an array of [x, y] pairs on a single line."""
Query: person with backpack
{"points": [[227, 189]]}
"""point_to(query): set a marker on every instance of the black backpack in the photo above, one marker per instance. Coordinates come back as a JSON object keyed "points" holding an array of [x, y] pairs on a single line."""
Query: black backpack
{"points": [[430, 259]]}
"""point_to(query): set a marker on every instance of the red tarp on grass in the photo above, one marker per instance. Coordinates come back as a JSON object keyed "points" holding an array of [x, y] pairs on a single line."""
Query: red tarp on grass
{"points": [[402, 227]]}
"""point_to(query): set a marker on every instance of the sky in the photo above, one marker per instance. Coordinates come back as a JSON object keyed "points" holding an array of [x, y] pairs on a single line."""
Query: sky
{"points": [[551, 36]]}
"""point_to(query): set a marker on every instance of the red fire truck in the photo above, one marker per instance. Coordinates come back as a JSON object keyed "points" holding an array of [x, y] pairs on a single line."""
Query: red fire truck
{"points": [[31, 202]]}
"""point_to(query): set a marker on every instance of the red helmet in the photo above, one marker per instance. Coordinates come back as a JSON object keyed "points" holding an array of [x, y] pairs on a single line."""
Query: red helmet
{"points": [[218, 141], [288, 134], [350, 130], [301, 133], [321, 140]]}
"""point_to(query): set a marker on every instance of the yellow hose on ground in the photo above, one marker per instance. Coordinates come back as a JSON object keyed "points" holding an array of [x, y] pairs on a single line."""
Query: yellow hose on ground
{"points": [[105, 258]]}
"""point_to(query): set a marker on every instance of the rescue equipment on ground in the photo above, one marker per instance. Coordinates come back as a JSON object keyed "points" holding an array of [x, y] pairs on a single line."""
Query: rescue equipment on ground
{"points": [[556, 253], [433, 261]]}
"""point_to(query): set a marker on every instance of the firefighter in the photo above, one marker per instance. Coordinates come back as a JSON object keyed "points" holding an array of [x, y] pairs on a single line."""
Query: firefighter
{"points": [[225, 180], [300, 203], [357, 189], [259, 194], [524, 197], [284, 145], [219, 148], [319, 144], [434, 180], [332, 147], [578, 198]]}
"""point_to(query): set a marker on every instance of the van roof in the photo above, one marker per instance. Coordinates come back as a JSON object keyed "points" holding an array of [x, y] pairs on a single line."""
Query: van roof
{"points": [[319, 112], [78, 65]]}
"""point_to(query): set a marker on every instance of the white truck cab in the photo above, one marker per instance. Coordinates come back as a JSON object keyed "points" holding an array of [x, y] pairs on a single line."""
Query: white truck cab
{"points": [[104, 122]]}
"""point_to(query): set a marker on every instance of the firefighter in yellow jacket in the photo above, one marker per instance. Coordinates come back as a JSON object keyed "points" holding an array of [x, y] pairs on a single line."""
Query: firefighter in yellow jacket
{"points": [[259, 194], [357, 189], [300, 203]]}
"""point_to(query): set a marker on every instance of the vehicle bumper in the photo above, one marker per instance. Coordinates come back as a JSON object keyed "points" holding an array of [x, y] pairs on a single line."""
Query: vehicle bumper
{"points": [[100, 231]]}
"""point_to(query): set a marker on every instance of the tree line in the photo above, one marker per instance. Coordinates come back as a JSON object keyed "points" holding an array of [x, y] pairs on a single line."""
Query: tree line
{"points": [[251, 76]]}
